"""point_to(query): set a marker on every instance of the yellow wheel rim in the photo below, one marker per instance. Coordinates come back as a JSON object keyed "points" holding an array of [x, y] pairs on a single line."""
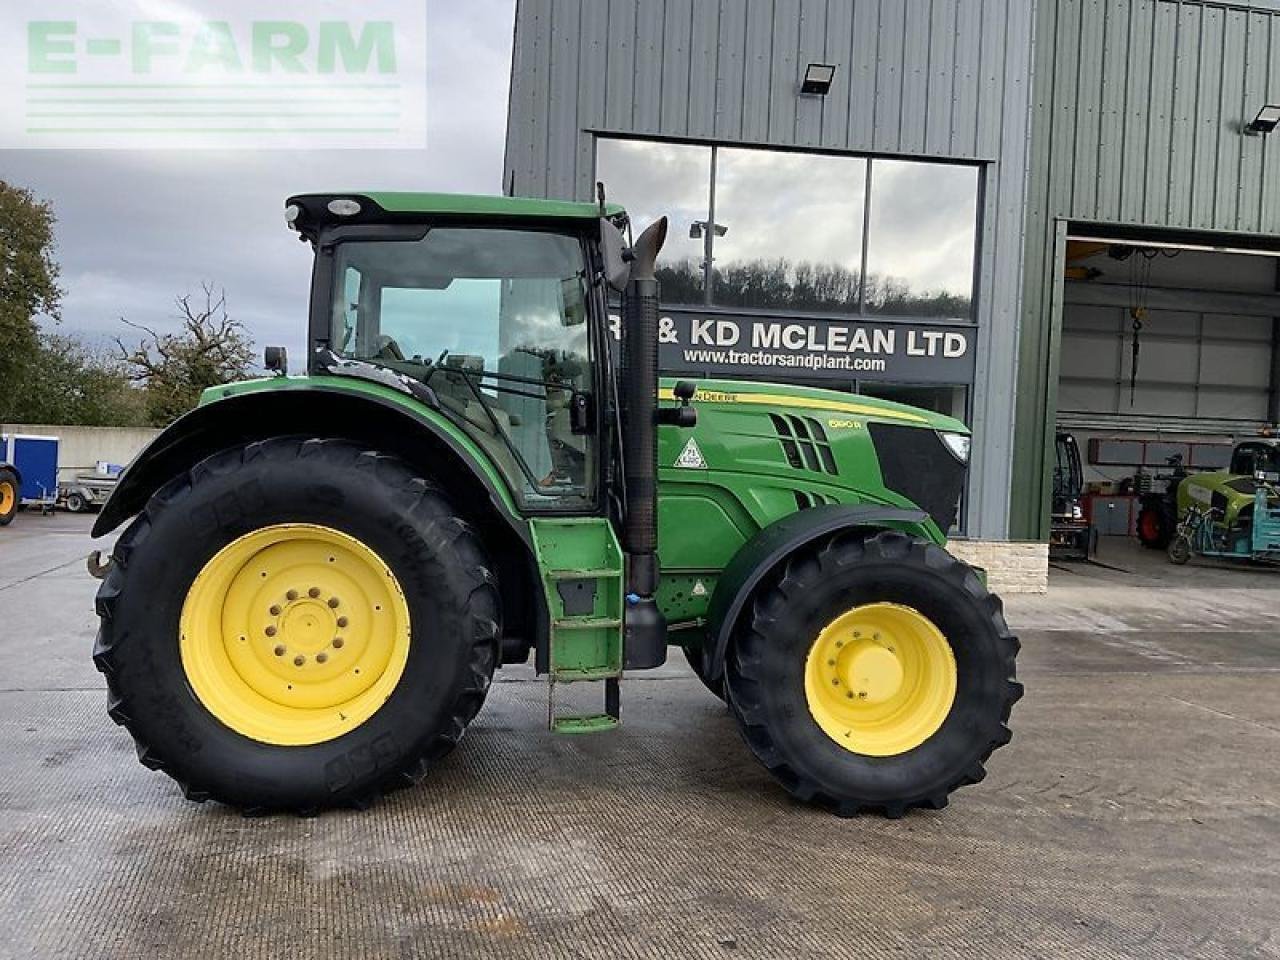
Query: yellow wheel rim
{"points": [[294, 634], [880, 679], [8, 497]]}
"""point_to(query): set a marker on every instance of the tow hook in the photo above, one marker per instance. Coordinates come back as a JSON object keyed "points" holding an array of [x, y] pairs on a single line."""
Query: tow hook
{"points": [[98, 568]]}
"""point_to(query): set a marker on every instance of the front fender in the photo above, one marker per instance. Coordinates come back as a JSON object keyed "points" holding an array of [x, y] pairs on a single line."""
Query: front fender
{"points": [[293, 410], [773, 544]]}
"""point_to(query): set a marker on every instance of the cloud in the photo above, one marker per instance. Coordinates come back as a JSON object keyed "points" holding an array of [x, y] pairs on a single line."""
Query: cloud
{"points": [[138, 228]]}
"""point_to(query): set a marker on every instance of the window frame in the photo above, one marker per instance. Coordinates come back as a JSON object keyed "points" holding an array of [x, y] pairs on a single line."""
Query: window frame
{"points": [[978, 165], [325, 277]]}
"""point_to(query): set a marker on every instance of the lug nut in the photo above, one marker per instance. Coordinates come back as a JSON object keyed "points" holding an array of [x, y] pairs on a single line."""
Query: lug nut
{"points": [[291, 595], [835, 683], [313, 592], [321, 657], [333, 601], [279, 650], [271, 631], [338, 642], [342, 621], [299, 660], [275, 611]]}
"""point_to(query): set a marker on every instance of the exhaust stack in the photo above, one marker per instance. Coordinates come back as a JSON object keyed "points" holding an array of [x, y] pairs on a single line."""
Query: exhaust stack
{"points": [[645, 642]]}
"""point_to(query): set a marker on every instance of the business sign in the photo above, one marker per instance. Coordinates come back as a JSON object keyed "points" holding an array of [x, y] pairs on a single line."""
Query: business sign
{"points": [[750, 346], [296, 74]]}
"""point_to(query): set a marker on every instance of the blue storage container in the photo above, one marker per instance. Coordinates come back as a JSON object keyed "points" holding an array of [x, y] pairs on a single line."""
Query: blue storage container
{"points": [[36, 460]]}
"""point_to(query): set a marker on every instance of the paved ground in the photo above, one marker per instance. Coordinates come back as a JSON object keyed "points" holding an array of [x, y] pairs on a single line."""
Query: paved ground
{"points": [[1136, 814]]}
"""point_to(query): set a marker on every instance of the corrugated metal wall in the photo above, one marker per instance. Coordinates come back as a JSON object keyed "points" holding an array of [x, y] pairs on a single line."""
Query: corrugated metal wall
{"points": [[1139, 107], [917, 78]]}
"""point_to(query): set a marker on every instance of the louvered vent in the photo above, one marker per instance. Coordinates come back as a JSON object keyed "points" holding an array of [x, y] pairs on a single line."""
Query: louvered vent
{"points": [[804, 443], [806, 499]]}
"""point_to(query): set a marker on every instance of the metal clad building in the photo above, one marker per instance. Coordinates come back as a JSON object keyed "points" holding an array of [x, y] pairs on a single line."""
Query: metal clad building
{"points": [[1139, 110], [1088, 131], [947, 79]]}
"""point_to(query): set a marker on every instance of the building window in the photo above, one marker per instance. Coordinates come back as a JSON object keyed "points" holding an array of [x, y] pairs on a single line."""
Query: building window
{"points": [[792, 231], [921, 239], [786, 231], [652, 180]]}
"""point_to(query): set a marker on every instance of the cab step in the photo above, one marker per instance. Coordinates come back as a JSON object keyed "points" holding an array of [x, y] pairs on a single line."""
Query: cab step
{"points": [[582, 573]]}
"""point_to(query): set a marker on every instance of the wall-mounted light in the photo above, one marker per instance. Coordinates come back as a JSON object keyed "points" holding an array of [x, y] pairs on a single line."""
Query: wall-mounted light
{"points": [[817, 79], [1268, 119]]}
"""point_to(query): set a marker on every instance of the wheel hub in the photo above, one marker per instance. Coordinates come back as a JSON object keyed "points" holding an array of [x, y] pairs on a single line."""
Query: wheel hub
{"points": [[880, 679], [874, 673], [294, 634]]}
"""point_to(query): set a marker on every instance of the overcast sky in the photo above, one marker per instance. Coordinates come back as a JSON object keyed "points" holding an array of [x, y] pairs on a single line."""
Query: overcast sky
{"points": [[137, 228]]}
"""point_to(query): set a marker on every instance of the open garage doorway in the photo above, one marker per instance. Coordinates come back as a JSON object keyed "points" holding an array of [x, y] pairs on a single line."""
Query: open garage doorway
{"points": [[1169, 358]]}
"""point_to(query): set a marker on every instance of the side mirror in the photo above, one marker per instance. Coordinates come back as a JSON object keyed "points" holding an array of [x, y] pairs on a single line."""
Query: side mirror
{"points": [[616, 256], [276, 359]]}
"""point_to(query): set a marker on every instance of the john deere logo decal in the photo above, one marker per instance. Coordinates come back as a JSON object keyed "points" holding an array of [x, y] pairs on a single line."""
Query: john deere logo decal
{"points": [[691, 457]]}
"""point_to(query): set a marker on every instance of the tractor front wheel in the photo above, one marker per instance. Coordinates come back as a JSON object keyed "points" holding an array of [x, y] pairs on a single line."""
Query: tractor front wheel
{"points": [[297, 624], [874, 673]]}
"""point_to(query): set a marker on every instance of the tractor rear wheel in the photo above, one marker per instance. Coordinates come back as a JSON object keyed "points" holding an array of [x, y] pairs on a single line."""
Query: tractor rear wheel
{"points": [[8, 496], [1155, 526], [297, 624], [874, 673]]}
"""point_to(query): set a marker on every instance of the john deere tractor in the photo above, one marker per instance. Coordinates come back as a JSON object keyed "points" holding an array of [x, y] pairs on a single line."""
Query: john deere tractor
{"points": [[323, 571]]}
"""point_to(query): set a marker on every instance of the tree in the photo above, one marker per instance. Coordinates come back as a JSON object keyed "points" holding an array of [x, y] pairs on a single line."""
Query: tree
{"points": [[814, 287], [28, 287], [210, 349], [67, 382]]}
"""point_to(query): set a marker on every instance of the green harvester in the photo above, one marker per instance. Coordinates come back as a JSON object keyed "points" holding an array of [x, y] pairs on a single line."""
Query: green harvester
{"points": [[321, 573]]}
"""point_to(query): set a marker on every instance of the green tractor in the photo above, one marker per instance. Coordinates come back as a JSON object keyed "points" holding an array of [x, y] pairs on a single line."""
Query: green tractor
{"points": [[323, 572]]}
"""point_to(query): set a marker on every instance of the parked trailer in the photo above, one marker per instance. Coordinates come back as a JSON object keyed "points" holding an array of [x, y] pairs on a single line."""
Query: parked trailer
{"points": [[34, 460], [88, 491]]}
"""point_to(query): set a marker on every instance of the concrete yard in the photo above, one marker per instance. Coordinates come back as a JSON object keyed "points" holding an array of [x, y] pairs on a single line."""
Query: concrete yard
{"points": [[1136, 813]]}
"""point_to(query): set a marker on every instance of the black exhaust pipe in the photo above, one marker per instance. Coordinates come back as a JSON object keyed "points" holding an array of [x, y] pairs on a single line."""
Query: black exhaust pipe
{"points": [[645, 638]]}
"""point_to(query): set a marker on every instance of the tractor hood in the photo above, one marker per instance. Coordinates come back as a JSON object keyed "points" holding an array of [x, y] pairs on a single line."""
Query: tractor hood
{"points": [[815, 398], [821, 446]]}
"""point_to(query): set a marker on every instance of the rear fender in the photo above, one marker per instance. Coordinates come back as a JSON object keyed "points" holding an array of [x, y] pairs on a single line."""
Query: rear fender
{"points": [[772, 545], [314, 412], [390, 427]]}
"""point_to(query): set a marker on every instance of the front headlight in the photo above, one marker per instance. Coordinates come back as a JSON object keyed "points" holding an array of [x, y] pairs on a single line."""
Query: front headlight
{"points": [[958, 444]]}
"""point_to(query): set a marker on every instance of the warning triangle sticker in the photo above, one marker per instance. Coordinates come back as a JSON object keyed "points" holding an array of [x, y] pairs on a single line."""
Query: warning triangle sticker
{"points": [[691, 456]]}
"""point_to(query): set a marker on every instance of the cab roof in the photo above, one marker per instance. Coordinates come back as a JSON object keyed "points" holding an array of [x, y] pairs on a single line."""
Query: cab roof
{"points": [[466, 203], [310, 211]]}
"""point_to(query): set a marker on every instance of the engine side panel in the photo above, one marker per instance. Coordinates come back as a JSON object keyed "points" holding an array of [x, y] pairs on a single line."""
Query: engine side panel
{"points": [[760, 453]]}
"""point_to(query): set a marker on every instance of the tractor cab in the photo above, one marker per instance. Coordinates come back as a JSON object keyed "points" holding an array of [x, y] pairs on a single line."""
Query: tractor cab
{"points": [[498, 319], [1259, 459]]}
